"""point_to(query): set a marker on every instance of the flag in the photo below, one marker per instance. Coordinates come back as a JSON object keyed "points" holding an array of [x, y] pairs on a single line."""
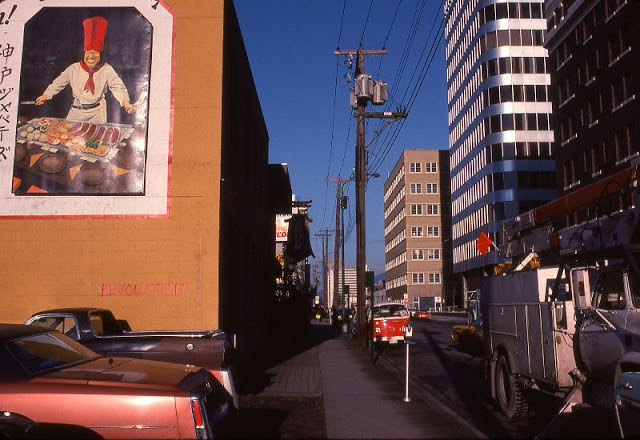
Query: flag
{"points": [[483, 243]]}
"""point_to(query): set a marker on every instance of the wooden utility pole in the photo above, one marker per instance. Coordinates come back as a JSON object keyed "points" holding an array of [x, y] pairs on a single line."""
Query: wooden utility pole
{"points": [[336, 248], [362, 95], [324, 234]]}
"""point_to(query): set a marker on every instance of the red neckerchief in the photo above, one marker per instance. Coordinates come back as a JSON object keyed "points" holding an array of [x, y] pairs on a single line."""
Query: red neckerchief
{"points": [[89, 85]]}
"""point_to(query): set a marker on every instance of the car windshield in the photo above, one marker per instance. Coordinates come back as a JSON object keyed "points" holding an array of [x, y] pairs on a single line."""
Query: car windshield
{"points": [[47, 351], [389, 311]]}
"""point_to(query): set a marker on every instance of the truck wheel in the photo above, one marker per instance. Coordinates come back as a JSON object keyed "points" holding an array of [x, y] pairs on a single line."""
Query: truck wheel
{"points": [[509, 392]]}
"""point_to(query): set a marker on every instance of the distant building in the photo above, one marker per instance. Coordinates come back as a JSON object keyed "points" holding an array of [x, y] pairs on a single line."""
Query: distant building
{"points": [[417, 220], [595, 65], [351, 297], [499, 135]]}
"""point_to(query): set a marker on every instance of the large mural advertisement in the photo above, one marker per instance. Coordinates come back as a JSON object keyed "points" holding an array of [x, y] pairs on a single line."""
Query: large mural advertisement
{"points": [[85, 108]]}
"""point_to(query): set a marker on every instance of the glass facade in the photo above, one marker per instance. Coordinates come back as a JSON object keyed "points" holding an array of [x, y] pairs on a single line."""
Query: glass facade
{"points": [[500, 139]]}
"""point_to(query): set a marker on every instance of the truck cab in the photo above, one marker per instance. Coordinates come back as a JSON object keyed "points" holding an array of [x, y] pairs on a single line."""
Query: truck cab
{"points": [[609, 324]]}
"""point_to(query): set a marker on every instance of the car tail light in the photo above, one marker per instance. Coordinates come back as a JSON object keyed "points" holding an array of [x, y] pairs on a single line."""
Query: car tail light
{"points": [[198, 419]]}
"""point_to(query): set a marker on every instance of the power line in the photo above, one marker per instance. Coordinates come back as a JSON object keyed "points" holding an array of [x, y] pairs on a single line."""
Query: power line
{"points": [[333, 124], [426, 64], [366, 22], [333, 121], [386, 38]]}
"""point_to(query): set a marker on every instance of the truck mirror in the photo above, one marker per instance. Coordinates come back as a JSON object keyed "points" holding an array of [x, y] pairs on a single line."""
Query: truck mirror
{"points": [[581, 288]]}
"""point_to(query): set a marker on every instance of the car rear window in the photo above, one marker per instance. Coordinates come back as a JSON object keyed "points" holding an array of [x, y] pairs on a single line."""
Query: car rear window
{"points": [[47, 351]]}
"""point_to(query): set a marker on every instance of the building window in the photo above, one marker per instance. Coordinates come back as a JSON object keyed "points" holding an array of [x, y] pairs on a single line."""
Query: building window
{"points": [[431, 188], [415, 167], [416, 231], [417, 278], [617, 45], [431, 167], [433, 254], [433, 231], [623, 140], [416, 209], [417, 254], [416, 188], [434, 278], [612, 6], [433, 209], [620, 92]]}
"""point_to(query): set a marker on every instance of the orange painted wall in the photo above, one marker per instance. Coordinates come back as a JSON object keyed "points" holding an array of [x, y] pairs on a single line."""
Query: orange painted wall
{"points": [[170, 265]]}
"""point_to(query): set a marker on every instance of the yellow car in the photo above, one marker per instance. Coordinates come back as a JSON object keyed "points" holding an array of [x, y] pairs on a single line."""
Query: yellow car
{"points": [[468, 337]]}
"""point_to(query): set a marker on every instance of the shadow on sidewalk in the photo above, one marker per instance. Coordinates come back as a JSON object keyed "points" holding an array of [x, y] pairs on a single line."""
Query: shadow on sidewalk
{"points": [[269, 416], [252, 378]]}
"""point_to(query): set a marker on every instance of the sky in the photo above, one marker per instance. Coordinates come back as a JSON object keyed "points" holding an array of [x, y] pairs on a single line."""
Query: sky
{"points": [[304, 94]]}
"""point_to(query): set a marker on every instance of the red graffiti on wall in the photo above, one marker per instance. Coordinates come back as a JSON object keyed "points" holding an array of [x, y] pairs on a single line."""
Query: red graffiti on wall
{"points": [[133, 289]]}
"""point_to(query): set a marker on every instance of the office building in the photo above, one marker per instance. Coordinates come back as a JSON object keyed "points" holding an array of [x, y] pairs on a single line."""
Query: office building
{"points": [[417, 222], [499, 134], [593, 55], [350, 287]]}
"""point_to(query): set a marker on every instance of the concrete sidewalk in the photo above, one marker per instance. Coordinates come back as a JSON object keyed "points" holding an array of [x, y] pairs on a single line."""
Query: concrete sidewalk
{"points": [[361, 399]]}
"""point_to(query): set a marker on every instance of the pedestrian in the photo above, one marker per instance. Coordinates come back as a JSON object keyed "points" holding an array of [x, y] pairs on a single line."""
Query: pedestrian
{"points": [[89, 79]]}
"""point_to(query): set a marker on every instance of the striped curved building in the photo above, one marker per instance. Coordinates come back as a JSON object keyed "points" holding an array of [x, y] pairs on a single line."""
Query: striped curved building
{"points": [[499, 110]]}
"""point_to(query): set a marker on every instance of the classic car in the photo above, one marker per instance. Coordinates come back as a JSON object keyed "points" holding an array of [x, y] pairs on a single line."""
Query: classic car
{"points": [[17, 426], [99, 330], [390, 322], [50, 378]]}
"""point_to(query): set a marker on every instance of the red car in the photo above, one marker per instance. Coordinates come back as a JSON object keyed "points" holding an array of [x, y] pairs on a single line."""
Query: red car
{"points": [[390, 322], [50, 378], [421, 314]]}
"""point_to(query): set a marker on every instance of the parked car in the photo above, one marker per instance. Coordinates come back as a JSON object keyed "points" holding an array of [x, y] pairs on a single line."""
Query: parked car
{"points": [[627, 404], [17, 426], [48, 377], [390, 322], [99, 330]]}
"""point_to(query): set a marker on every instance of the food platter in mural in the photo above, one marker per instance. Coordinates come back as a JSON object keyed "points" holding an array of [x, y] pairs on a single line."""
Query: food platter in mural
{"points": [[93, 141]]}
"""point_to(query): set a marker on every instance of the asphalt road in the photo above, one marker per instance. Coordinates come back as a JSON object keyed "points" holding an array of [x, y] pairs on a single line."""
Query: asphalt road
{"points": [[438, 370]]}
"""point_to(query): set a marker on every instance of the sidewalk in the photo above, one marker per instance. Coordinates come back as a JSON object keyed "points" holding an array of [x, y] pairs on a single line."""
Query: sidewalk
{"points": [[357, 398]]}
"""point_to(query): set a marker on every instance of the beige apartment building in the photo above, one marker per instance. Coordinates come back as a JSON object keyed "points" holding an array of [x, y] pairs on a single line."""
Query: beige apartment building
{"points": [[417, 219]]}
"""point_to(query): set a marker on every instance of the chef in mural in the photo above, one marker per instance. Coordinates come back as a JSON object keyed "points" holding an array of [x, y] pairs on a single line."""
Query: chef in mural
{"points": [[89, 79]]}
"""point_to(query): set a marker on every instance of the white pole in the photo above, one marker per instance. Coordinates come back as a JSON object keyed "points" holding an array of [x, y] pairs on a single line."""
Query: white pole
{"points": [[406, 375]]}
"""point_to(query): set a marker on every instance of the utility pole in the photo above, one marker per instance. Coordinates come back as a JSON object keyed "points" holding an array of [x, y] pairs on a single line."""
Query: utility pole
{"points": [[365, 90], [339, 242], [324, 234]]}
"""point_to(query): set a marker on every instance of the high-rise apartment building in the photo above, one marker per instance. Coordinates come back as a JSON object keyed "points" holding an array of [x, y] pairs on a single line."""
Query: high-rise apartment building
{"points": [[417, 220], [350, 291], [595, 69], [499, 134]]}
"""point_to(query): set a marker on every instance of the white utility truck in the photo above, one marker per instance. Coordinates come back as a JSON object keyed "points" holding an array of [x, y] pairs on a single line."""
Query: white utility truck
{"points": [[563, 316]]}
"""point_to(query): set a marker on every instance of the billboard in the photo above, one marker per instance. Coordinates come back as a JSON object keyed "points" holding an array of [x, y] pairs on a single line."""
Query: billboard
{"points": [[85, 108]]}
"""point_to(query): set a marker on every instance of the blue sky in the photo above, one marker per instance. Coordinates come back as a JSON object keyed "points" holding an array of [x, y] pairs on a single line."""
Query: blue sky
{"points": [[305, 97]]}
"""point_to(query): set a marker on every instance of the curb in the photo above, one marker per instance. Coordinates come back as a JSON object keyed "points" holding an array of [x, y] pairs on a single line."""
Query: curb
{"points": [[429, 395]]}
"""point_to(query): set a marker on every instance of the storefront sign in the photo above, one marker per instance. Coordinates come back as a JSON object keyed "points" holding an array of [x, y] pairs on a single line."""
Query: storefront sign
{"points": [[282, 227]]}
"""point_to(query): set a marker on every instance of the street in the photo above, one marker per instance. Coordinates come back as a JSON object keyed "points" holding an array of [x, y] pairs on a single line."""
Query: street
{"points": [[454, 379]]}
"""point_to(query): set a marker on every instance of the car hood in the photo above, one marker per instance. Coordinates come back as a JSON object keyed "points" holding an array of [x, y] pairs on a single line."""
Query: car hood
{"points": [[124, 370]]}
